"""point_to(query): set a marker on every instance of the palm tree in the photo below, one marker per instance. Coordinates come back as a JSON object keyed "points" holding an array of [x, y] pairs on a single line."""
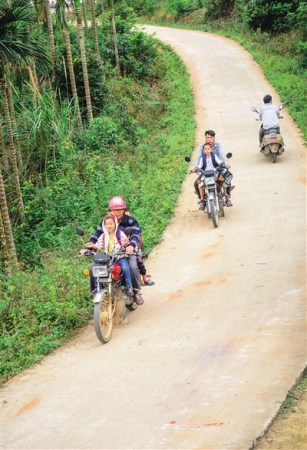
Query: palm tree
{"points": [[94, 30], [50, 32], [116, 53], [13, 118], [61, 21], [42, 8], [8, 245], [3, 245], [13, 156], [84, 11], [17, 47], [5, 157], [110, 5], [89, 111]]}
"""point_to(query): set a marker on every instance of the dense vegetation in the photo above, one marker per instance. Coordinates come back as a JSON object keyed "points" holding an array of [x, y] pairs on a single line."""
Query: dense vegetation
{"points": [[142, 124], [68, 145]]}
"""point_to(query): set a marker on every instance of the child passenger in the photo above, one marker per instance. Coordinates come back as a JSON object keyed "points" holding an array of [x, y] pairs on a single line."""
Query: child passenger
{"points": [[112, 240], [208, 161]]}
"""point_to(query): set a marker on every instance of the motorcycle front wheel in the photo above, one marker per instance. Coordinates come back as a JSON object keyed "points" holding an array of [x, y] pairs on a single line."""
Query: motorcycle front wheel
{"points": [[274, 157], [103, 319], [214, 213]]}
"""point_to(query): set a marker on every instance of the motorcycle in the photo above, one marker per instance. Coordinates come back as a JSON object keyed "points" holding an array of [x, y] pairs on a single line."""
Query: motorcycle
{"points": [[111, 304], [272, 142], [215, 182]]}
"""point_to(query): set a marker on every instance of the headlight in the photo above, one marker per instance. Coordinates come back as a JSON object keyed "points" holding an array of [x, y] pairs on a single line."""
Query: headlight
{"points": [[100, 271]]}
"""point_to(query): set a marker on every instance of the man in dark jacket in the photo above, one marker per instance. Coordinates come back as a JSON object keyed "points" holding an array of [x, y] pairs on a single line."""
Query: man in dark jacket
{"points": [[117, 206]]}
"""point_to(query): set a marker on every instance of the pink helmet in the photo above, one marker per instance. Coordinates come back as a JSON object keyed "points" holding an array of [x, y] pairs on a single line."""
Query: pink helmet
{"points": [[117, 203]]}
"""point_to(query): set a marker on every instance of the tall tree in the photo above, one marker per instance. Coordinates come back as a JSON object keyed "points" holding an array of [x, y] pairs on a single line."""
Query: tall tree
{"points": [[13, 156], [50, 32], [5, 156], [116, 52], [111, 5], [17, 47], [8, 244], [84, 11], [61, 21], [89, 111], [94, 31]]}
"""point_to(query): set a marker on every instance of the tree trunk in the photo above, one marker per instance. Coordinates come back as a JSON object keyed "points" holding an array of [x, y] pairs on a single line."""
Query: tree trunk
{"points": [[50, 32], [3, 245], [88, 100], [94, 30], [14, 126], [85, 16], [72, 76], [5, 157], [115, 42], [12, 147], [8, 244], [34, 82]]}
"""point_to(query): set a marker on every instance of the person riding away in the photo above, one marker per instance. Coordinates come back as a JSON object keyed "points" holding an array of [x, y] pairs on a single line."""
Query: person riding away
{"points": [[208, 161], [218, 151], [269, 115], [117, 206], [111, 241]]}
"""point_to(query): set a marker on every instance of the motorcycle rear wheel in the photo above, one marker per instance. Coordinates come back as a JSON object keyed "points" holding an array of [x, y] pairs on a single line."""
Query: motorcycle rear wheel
{"points": [[103, 319], [274, 157], [214, 213]]}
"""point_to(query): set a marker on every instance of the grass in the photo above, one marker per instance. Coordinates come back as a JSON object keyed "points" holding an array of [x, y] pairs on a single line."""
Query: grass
{"points": [[289, 405]]}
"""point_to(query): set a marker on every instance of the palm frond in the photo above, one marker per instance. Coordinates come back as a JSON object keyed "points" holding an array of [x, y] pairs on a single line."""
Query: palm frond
{"points": [[60, 10], [12, 11], [17, 43]]}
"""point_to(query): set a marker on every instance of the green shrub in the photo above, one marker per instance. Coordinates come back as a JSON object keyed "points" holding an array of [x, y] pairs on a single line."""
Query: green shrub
{"points": [[267, 15]]}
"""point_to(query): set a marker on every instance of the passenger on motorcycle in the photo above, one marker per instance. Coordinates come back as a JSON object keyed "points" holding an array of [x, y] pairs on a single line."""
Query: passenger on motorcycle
{"points": [[269, 115], [117, 206], [112, 240], [218, 151], [208, 161]]}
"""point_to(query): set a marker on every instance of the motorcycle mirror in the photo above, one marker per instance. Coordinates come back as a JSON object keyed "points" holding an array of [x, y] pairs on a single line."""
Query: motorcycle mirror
{"points": [[187, 158], [254, 109], [229, 155], [79, 231]]}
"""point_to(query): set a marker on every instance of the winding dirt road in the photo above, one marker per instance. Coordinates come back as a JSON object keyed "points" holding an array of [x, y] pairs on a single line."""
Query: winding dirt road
{"points": [[205, 363]]}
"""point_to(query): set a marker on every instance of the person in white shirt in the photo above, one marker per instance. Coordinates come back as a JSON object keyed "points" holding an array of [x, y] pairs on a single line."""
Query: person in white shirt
{"points": [[269, 115], [207, 161]]}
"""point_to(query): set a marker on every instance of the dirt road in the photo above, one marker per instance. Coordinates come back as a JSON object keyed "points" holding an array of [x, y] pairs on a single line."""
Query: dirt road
{"points": [[206, 361]]}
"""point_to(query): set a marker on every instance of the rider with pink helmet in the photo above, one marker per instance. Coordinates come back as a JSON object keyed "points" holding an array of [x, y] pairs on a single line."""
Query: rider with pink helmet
{"points": [[117, 206]]}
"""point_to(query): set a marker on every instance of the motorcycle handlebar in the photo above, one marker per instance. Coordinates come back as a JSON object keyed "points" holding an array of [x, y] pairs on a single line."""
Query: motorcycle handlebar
{"points": [[114, 255], [198, 170]]}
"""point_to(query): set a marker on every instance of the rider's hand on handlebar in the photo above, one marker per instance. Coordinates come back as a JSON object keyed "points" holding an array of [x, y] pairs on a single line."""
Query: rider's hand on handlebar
{"points": [[129, 250], [89, 246], [193, 169]]}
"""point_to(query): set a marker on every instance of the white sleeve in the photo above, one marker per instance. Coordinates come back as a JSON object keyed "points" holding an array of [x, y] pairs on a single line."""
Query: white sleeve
{"points": [[198, 155]]}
